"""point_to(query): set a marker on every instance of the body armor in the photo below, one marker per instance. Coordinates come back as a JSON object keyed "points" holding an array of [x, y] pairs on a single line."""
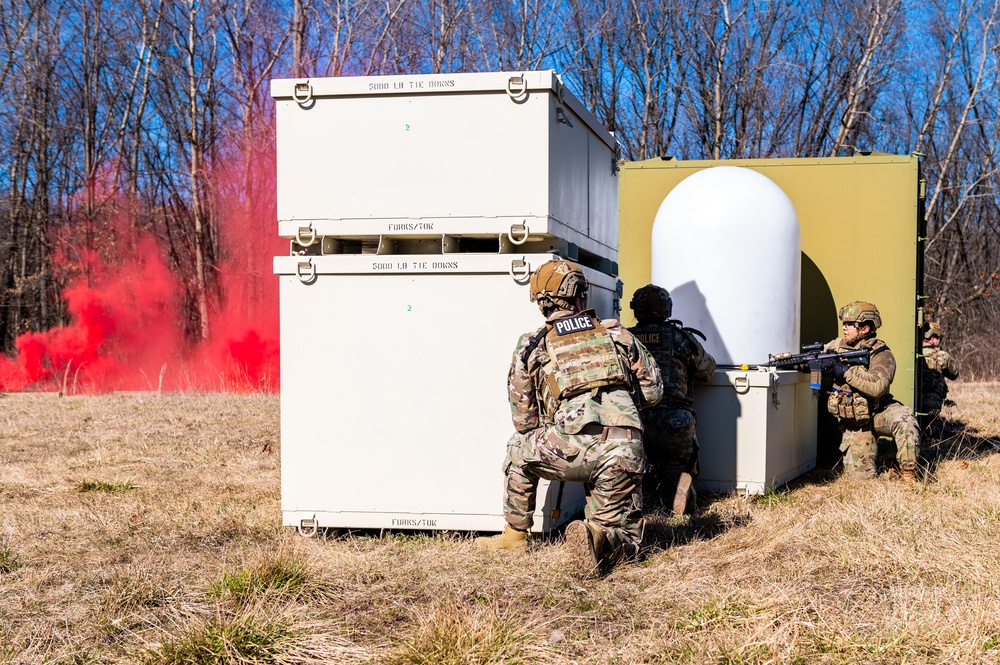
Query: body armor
{"points": [[585, 355]]}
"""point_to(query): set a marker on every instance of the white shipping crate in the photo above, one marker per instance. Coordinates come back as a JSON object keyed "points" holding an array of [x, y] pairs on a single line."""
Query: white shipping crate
{"points": [[394, 406], [756, 429], [444, 154]]}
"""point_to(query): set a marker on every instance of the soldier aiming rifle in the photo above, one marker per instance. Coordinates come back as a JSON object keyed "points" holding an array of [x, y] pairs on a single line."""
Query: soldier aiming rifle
{"points": [[863, 368]]}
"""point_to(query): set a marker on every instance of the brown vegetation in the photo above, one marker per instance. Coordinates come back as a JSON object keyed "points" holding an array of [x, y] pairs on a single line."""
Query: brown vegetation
{"points": [[145, 528]]}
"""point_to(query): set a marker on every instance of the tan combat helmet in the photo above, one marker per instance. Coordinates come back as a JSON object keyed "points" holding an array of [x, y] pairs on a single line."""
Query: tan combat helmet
{"points": [[861, 312], [933, 329], [558, 279], [651, 303]]}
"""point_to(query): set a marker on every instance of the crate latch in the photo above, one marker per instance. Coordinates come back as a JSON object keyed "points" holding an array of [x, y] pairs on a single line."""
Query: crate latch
{"points": [[308, 527], [521, 230], [305, 235], [302, 93], [563, 117], [306, 271], [520, 271], [517, 88]]}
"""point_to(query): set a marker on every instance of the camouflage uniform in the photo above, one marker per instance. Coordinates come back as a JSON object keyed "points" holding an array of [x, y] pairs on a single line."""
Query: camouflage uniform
{"points": [[594, 437], [866, 410], [669, 427], [938, 366]]}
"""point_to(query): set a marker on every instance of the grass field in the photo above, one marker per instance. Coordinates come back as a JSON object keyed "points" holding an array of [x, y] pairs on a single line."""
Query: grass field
{"points": [[146, 529]]}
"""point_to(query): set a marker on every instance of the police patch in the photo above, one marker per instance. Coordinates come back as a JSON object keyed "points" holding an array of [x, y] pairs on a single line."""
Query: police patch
{"points": [[573, 324]]}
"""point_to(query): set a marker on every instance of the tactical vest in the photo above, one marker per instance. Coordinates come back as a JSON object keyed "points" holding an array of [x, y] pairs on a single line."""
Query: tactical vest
{"points": [[669, 344], [585, 356], [846, 404], [933, 386]]}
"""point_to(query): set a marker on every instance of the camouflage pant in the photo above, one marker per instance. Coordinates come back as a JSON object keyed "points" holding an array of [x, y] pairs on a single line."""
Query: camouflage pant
{"points": [[860, 442], [671, 447], [612, 468]]}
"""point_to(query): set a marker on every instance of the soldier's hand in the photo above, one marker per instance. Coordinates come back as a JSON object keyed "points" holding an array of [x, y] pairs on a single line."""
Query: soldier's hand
{"points": [[838, 370]]}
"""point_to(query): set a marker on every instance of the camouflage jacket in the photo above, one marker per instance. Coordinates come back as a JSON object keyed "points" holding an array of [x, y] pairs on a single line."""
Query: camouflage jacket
{"points": [[681, 359], [533, 405], [938, 366], [873, 382]]}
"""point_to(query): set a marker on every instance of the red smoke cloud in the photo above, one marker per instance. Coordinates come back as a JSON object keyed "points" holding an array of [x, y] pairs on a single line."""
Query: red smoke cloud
{"points": [[125, 307]]}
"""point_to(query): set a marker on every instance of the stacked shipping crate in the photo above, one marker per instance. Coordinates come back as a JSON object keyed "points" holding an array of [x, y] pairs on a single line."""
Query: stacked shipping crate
{"points": [[416, 208]]}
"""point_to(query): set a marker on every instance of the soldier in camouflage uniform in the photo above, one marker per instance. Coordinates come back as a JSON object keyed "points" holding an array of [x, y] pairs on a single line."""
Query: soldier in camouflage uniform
{"points": [[669, 427], [938, 366], [861, 401], [576, 385]]}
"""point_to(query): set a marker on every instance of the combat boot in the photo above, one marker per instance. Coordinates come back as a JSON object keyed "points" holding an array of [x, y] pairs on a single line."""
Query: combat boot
{"points": [[681, 496], [510, 540], [908, 474], [585, 542]]}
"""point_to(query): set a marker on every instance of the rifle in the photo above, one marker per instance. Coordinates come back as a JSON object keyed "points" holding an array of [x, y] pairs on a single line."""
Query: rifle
{"points": [[818, 361]]}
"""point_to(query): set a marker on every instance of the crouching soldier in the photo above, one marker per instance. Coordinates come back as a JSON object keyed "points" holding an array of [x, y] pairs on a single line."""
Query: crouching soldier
{"points": [[669, 427], [576, 386], [861, 401], [938, 366]]}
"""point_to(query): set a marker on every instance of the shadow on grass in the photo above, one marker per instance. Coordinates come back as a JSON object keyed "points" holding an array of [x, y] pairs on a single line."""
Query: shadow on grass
{"points": [[946, 439]]}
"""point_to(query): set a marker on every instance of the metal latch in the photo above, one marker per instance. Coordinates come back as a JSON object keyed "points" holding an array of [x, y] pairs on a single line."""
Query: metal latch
{"points": [[563, 117], [520, 271], [306, 271], [521, 230], [302, 93], [305, 235], [517, 88], [308, 527]]}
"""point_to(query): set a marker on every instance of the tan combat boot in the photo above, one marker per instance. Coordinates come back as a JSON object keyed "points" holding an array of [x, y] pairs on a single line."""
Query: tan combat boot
{"points": [[511, 540], [585, 541], [908, 474], [681, 496]]}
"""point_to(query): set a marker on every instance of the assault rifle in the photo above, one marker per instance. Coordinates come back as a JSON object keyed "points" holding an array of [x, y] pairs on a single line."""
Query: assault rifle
{"points": [[818, 361]]}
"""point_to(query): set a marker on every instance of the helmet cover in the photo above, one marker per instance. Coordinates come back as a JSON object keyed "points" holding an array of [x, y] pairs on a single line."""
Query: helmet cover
{"points": [[861, 312], [558, 279]]}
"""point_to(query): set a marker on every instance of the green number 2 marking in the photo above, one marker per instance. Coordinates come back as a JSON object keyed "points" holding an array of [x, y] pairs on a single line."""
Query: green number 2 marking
{"points": [[409, 308], [407, 126]]}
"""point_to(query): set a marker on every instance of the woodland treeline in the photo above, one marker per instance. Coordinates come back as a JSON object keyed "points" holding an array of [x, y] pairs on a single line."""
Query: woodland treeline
{"points": [[135, 110]]}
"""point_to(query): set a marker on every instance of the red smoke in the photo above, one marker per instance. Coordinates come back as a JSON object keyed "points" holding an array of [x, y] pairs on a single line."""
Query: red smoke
{"points": [[125, 305]]}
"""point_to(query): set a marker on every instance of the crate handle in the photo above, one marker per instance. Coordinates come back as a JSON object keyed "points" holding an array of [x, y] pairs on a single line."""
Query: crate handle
{"points": [[520, 228], [305, 271], [517, 87], [302, 93], [520, 270], [305, 235], [742, 384]]}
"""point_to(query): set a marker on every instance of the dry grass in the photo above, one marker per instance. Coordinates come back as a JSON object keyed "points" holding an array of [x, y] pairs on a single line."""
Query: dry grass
{"points": [[146, 529]]}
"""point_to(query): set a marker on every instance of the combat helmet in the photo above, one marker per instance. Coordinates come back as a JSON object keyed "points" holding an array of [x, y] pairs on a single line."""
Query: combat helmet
{"points": [[651, 303], [933, 329], [861, 311], [558, 279]]}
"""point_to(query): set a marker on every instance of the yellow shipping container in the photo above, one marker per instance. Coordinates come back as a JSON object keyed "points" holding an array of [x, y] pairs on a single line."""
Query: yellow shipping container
{"points": [[859, 219]]}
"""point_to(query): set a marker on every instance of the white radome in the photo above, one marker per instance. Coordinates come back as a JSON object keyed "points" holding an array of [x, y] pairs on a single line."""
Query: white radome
{"points": [[726, 244]]}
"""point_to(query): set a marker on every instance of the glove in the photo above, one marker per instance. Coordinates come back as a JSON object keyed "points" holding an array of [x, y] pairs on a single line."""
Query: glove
{"points": [[838, 369]]}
